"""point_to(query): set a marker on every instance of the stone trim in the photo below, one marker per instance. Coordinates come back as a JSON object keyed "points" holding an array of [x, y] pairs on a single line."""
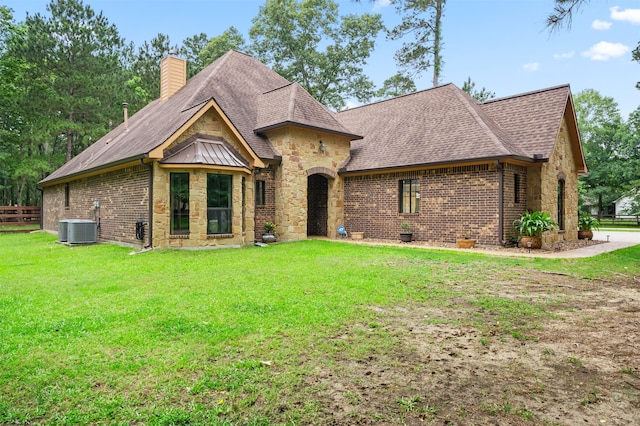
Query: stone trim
{"points": [[324, 171], [214, 236]]}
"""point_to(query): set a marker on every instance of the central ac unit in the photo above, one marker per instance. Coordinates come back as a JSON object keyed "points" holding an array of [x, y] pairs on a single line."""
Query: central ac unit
{"points": [[81, 231], [63, 230]]}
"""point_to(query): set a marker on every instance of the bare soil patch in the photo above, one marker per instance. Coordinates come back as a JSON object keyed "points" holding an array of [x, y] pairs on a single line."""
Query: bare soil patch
{"points": [[578, 365]]}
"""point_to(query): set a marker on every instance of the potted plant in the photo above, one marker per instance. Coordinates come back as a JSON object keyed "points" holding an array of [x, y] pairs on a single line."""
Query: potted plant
{"points": [[531, 225], [270, 236], [466, 241], [586, 225], [406, 236]]}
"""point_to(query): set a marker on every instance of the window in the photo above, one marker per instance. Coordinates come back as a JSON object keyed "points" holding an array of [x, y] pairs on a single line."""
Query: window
{"points": [[218, 204], [516, 188], [67, 194], [179, 188], [260, 193], [561, 204], [410, 196]]}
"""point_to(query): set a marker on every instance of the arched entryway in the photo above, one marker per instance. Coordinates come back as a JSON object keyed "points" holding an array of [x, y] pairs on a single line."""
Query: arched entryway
{"points": [[317, 202]]}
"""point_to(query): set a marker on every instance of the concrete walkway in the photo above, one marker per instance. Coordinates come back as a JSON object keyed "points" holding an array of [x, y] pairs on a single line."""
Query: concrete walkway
{"points": [[615, 240]]}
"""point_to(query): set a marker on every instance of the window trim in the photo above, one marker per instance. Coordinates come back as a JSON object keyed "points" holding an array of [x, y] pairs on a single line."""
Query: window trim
{"points": [[414, 196], [561, 204], [219, 211], [260, 192], [67, 195], [173, 231]]}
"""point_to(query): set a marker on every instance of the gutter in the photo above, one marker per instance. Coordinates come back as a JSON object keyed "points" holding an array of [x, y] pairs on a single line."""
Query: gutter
{"points": [[69, 177], [412, 167]]}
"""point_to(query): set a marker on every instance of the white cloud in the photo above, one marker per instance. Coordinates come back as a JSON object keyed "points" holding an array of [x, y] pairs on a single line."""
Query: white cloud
{"points": [[567, 55], [600, 25], [379, 4], [533, 66], [604, 51], [630, 15]]}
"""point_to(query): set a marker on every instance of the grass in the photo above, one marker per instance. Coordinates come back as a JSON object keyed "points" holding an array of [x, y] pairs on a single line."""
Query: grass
{"points": [[92, 334]]}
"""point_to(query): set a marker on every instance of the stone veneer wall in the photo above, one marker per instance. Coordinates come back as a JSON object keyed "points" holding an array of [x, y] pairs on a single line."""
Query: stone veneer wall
{"points": [[242, 214], [299, 149], [561, 162], [453, 201], [210, 124], [243, 220], [124, 199]]}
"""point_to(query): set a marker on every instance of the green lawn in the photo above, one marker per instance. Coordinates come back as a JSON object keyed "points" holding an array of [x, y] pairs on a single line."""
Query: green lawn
{"points": [[92, 334]]}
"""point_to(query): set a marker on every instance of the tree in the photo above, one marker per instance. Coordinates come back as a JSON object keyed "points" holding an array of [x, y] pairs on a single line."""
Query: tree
{"points": [[563, 15], [230, 39], [610, 148], [190, 50], [75, 52], [396, 85], [145, 68], [305, 41], [423, 19], [481, 96]]}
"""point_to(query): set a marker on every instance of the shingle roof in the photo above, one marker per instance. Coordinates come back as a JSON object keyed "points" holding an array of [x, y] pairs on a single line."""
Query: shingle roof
{"points": [[533, 118], [205, 150], [434, 126], [234, 81], [439, 125], [291, 104]]}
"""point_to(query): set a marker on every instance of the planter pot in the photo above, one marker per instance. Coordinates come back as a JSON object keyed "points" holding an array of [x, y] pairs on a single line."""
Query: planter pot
{"points": [[465, 243], [357, 235], [585, 235], [268, 238], [406, 237], [536, 242]]}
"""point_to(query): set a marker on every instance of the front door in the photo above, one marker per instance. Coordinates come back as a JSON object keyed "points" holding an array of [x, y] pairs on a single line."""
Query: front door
{"points": [[317, 196]]}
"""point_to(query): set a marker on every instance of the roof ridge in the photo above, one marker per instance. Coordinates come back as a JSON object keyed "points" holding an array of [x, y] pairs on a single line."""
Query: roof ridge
{"points": [[291, 108], [532, 92], [277, 88], [481, 117], [212, 74], [397, 97]]}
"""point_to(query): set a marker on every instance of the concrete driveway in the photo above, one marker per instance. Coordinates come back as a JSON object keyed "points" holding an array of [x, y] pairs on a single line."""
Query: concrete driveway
{"points": [[618, 236]]}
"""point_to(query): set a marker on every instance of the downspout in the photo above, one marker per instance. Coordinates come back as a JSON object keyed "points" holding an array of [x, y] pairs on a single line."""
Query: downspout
{"points": [[150, 167], [500, 203], [41, 207]]}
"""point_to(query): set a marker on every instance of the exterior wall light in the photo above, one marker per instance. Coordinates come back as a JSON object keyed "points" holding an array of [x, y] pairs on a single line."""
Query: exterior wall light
{"points": [[322, 147]]}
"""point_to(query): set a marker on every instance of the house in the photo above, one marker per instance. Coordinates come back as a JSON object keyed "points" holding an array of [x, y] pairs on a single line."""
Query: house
{"points": [[214, 158]]}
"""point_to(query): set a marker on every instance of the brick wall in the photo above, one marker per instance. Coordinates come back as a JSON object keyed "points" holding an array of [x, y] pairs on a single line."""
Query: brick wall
{"points": [[124, 200], [513, 208], [453, 201], [267, 212]]}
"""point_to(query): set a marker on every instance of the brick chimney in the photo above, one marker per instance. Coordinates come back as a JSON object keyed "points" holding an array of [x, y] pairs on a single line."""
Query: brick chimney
{"points": [[173, 75]]}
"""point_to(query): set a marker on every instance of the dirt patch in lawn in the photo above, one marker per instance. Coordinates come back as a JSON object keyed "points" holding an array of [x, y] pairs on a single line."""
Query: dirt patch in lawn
{"points": [[464, 362]]}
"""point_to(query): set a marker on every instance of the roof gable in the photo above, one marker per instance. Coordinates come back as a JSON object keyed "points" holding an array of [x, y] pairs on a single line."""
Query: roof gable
{"points": [[206, 151], [292, 105], [535, 119]]}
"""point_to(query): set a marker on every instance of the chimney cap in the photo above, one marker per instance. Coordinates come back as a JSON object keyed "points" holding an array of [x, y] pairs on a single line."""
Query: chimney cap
{"points": [[173, 51]]}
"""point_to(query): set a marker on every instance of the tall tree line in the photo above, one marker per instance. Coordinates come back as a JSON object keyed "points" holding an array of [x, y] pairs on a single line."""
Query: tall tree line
{"points": [[65, 74]]}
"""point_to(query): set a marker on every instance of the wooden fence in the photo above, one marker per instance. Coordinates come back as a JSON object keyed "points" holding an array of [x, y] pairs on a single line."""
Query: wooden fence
{"points": [[629, 220], [13, 218]]}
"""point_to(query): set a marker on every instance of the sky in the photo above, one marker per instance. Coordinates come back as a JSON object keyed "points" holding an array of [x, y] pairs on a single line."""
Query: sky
{"points": [[503, 45]]}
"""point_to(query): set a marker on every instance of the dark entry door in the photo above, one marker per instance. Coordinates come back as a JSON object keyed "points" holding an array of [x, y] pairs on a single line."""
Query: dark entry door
{"points": [[317, 196]]}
